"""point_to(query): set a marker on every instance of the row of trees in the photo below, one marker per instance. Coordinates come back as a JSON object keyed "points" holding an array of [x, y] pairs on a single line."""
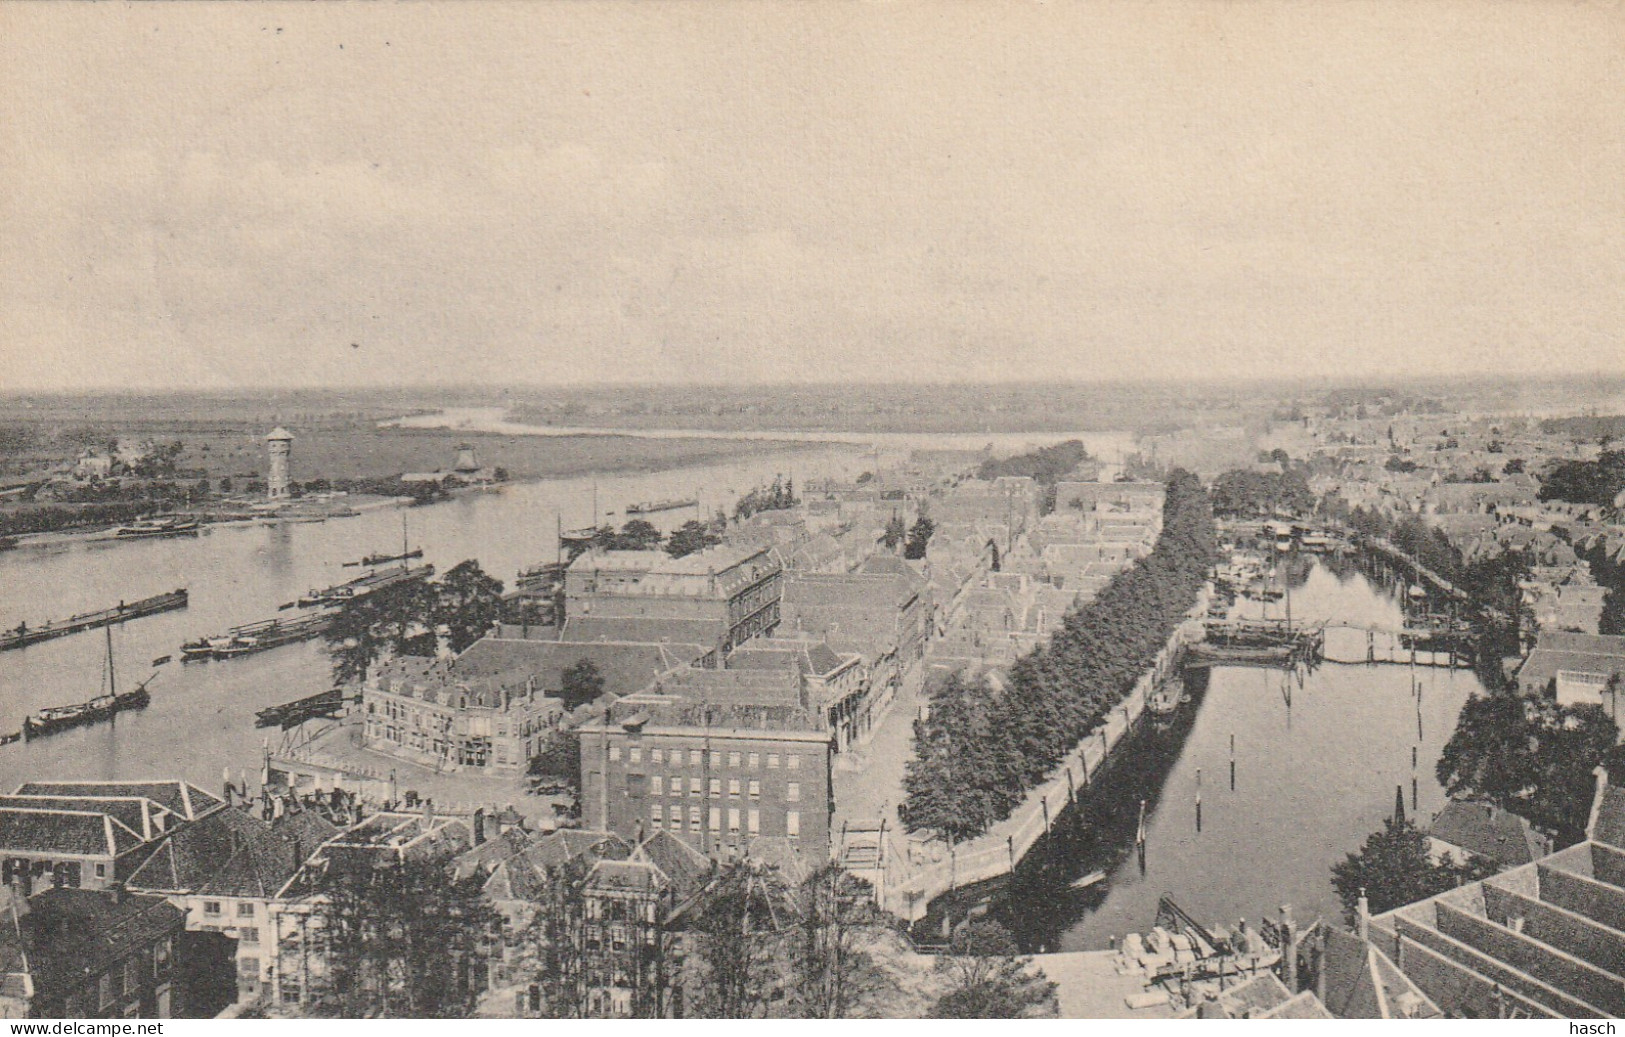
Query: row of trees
{"points": [[777, 497], [1587, 482], [641, 535], [413, 940], [912, 539], [1046, 465], [977, 752], [1244, 493]]}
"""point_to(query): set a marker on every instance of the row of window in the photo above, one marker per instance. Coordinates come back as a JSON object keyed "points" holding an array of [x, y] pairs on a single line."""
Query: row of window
{"points": [[752, 819], [753, 788], [245, 908], [696, 758]]}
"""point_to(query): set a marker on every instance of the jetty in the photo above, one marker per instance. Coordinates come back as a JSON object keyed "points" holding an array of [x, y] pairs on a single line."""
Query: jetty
{"points": [[24, 635]]}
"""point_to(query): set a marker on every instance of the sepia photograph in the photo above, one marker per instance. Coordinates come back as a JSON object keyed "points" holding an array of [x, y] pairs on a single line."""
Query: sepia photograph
{"points": [[937, 509]]}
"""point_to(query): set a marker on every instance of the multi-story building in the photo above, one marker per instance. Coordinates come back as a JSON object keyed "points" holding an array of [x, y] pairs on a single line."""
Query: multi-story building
{"points": [[90, 954], [732, 592], [718, 758]]}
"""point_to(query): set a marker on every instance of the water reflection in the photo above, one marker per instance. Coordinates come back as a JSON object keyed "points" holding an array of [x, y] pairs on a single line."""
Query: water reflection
{"points": [[1316, 765]]}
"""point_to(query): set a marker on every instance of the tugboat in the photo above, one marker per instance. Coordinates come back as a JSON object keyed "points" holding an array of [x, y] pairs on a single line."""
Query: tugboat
{"points": [[52, 719]]}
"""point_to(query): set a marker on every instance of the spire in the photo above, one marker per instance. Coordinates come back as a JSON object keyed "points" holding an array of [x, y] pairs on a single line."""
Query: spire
{"points": [[1399, 803]]}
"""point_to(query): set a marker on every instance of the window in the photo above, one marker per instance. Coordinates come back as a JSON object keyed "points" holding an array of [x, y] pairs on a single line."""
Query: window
{"points": [[733, 820], [657, 785], [248, 966], [248, 934], [693, 757], [694, 786], [792, 792], [290, 993], [716, 787], [733, 786], [755, 789], [676, 785], [733, 760], [716, 759], [693, 819], [614, 753], [657, 815], [636, 754], [245, 909], [792, 823], [716, 819], [772, 761], [104, 990], [132, 970], [753, 820], [211, 907], [101, 871], [792, 761], [657, 756]]}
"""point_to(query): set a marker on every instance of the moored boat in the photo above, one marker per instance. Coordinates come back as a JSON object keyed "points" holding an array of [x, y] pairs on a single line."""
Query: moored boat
{"points": [[173, 525], [649, 507], [105, 706]]}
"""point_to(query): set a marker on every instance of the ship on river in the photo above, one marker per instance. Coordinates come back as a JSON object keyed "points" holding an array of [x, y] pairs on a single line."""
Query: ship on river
{"points": [[649, 507], [53, 719], [362, 586], [173, 525], [257, 637], [23, 635]]}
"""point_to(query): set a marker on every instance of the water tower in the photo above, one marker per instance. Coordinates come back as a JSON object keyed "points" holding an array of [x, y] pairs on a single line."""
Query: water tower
{"points": [[280, 444]]}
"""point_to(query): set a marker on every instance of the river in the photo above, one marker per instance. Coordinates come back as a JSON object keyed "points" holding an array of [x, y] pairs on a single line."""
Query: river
{"points": [[202, 715], [1316, 769]]}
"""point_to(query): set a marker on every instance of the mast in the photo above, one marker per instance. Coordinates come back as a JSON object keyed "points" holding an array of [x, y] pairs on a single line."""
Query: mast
{"points": [[112, 675]]}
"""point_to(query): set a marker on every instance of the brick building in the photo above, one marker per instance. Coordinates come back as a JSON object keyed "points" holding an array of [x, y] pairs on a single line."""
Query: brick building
{"points": [[734, 589], [718, 758]]}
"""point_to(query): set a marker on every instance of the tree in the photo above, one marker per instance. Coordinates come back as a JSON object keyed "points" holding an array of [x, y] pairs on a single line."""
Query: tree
{"points": [[1586, 482], [895, 532], [1530, 756], [581, 683], [690, 537], [639, 535], [740, 928], [467, 604], [988, 977], [560, 758], [919, 536], [364, 629], [1394, 868], [832, 975], [406, 940]]}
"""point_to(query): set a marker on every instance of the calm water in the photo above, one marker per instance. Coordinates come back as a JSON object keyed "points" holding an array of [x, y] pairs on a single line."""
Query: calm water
{"points": [[1316, 770], [202, 715]]}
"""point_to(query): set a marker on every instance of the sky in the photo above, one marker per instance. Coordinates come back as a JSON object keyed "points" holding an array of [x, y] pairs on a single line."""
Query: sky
{"points": [[237, 195]]}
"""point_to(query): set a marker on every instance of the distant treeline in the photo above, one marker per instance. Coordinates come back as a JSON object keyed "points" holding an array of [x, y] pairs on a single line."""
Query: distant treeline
{"points": [[49, 518], [1592, 428], [979, 751], [1046, 465], [1586, 482]]}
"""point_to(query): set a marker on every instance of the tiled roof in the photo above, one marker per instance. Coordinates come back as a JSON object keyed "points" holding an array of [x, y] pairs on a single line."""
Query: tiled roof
{"points": [[64, 831], [1563, 650], [179, 797], [72, 933], [686, 868], [139, 814], [1487, 831], [677, 635], [625, 665], [231, 853]]}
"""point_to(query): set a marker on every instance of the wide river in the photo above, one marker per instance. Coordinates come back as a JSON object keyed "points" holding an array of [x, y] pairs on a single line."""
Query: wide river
{"points": [[1316, 769], [202, 715]]}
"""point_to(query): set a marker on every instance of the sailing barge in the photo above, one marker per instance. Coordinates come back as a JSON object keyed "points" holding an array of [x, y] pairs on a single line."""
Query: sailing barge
{"points": [[53, 719], [23, 634], [257, 637], [362, 586], [1257, 643], [292, 714]]}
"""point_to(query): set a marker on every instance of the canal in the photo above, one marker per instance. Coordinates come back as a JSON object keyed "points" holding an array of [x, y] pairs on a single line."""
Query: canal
{"points": [[201, 719], [1317, 760]]}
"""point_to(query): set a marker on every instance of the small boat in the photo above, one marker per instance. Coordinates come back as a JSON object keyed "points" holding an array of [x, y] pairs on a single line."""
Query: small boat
{"points": [[161, 660], [6, 544], [1093, 878], [382, 559], [174, 525], [15, 736]]}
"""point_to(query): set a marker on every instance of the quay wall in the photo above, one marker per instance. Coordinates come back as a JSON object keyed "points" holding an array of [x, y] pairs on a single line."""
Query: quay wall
{"points": [[907, 891]]}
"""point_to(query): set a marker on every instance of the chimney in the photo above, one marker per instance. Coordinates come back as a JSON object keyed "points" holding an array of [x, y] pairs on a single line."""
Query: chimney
{"points": [[225, 780], [479, 826], [117, 889], [1320, 959], [1289, 949], [1363, 916]]}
